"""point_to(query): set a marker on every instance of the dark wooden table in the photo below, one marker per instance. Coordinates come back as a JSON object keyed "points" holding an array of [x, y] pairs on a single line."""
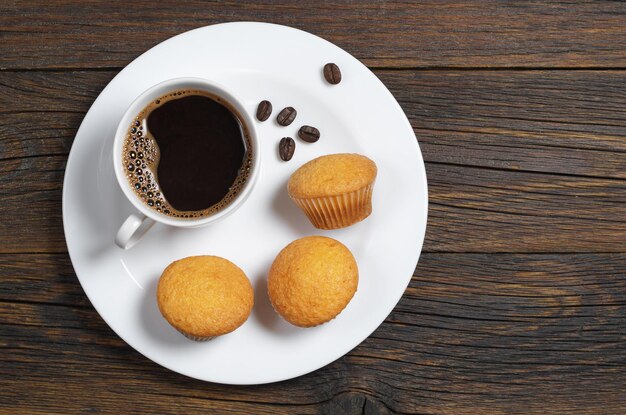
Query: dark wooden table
{"points": [[518, 304]]}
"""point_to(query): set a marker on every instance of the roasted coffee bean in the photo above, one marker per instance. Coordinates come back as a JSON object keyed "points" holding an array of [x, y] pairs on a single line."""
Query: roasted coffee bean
{"points": [[286, 116], [264, 110], [309, 134], [332, 73], [286, 148]]}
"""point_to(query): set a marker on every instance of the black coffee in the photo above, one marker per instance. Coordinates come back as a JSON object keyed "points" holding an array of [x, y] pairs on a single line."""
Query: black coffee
{"points": [[187, 154]]}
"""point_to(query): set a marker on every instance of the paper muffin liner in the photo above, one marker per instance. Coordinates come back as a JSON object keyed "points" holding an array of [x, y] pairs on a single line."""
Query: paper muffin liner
{"points": [[339, 211], [196, 338]]}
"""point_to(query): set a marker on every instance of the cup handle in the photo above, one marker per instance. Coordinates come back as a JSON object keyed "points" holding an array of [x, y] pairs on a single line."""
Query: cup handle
{"points": [[132, 230]]}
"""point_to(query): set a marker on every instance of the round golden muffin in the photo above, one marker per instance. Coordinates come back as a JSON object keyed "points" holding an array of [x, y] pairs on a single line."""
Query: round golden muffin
{"points": [[335, 190], [331, 175], [204, 296], [312, 280]]}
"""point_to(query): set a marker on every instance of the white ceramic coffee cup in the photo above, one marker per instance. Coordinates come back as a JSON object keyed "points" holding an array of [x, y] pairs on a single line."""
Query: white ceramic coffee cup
{"points": [[137, 224]]}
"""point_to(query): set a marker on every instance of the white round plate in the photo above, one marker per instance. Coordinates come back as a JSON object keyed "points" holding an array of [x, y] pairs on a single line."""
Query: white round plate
{"points": [[283, 65]]}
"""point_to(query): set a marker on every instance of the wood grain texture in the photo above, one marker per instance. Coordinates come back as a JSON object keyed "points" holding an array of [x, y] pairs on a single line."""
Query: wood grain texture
{"points": [[502, 178], [96, 34], [474, 333], [565, 122], [518, 304], [471, 210]]}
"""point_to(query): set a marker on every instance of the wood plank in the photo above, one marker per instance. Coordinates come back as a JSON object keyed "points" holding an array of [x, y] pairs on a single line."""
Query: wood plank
{"points": [[493, 204], [473, 333], [481, 210], [471, 210], [40, 278], [565, 122], [70, 34]]}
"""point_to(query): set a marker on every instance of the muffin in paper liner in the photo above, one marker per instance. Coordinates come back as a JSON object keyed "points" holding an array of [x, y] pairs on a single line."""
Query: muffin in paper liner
{"points": [[312, 280], [203, 297], [334, 191], [339, 211]]}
